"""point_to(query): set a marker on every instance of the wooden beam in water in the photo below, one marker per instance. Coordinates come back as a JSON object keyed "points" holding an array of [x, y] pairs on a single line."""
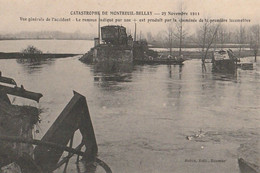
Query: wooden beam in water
{"points": [[21, 92], [73, 117], [7, 80], [65, 159], [4, 97], [17, 139], [246, 167]]}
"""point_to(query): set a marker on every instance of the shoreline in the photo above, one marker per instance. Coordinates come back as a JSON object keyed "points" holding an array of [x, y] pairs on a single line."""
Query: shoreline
{"points": [[18, 55], [197, 55], [218, 46], [186, 54], [13, 39]]}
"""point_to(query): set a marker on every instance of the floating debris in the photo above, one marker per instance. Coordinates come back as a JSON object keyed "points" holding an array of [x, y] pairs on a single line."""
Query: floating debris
{"points": [[196, 135]]}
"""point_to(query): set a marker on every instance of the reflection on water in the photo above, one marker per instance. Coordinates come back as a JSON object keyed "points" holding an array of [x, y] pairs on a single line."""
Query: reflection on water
{"points": [[170, 70], [142, 113], [112, 71], [82, 167], [32, 65], [225, 76], [112, 67]]}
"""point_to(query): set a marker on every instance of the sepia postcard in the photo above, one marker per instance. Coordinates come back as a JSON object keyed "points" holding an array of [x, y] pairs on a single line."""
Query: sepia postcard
{"points": [[129, 86]]}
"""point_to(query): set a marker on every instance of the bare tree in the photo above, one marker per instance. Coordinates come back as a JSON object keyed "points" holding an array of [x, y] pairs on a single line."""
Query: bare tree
{"points": [[180, 30], [222, 35], [159, 37], [169, 37], [255, 39], [206, 35], [149, 36], [240, 37]]}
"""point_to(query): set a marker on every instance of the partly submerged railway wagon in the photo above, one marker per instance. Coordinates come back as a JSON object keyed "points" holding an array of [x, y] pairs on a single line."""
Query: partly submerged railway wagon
{"points": [[224, 61]]}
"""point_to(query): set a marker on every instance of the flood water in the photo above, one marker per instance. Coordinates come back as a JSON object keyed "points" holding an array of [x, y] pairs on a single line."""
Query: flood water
{"points": [[47, 46], [143, 114]]}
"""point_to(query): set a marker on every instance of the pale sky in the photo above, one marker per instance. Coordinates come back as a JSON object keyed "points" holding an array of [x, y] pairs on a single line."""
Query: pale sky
{"points": [[12, 10]]}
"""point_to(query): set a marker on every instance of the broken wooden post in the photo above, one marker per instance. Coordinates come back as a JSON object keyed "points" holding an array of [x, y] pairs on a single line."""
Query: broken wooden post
{"points": [[73, 117], [21, 92], [7, 80], [17, 91]]}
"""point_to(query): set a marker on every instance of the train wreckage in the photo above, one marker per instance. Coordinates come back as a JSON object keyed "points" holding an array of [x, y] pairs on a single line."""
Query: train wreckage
{"points": [[16, 141], [117, 46]]}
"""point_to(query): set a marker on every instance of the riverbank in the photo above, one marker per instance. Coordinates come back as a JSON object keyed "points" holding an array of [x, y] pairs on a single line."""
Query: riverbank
{"points": [[218, 46], [186, 55], [18, 55], [197, 54]]}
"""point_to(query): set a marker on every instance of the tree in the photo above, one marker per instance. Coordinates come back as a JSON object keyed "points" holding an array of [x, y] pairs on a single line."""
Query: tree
{"points": [[222, 36], [31, 50], [149, 37], [240, 35], [180, 31], [255, 39], [206, 35], [159, 39], [169, 37]]}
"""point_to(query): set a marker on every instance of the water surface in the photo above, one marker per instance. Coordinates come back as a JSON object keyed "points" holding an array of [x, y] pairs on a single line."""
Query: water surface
{"points": [[143, 114]]}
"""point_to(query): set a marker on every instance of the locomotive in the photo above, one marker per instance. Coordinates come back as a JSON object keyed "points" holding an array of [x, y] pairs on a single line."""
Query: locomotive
{"points": [[114, 34]]}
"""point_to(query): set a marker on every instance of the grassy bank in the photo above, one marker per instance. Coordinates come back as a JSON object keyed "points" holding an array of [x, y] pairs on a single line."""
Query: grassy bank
{"points": [[18, 55], [219, 46], [197, 55]]}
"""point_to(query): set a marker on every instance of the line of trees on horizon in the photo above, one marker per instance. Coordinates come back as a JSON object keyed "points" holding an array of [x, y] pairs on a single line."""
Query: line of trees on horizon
{"points": [[207, 36], [77, 35]]}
